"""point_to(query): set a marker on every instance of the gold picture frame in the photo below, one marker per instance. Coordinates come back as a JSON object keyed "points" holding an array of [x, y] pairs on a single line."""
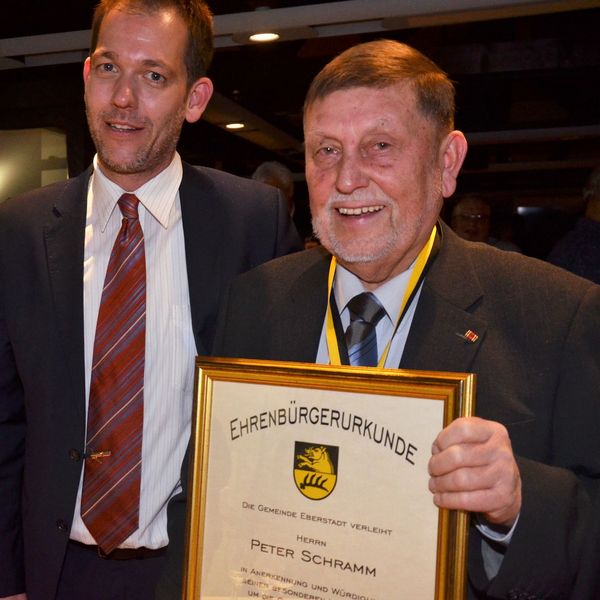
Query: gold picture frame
{"points": [[271, 516]]}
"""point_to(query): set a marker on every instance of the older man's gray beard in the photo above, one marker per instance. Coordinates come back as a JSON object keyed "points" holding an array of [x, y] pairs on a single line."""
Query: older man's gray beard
{"points": [[358, 250]]}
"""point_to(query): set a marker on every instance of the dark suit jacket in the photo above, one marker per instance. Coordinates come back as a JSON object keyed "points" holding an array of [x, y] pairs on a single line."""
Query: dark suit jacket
{"points": [[537, 363], [230, 225]]}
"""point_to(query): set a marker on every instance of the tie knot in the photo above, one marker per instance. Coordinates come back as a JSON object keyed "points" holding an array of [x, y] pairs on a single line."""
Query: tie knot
{"points": [[128, 203], [366, 307]]}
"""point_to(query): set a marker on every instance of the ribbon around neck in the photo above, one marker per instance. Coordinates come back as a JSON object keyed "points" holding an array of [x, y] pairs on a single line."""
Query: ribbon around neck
{"points": [[413, 283]]}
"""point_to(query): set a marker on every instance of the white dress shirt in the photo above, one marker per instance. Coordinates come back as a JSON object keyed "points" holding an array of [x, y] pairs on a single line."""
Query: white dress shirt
{"points": [[346, 285], [170, 346]]}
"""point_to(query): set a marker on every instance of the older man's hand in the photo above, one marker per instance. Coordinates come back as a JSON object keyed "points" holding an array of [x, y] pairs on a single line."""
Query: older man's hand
{"points": [[473, 468]]}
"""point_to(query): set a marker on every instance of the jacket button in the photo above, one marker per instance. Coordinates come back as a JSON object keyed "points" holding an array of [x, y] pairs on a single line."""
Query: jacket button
{"points": [[62, 525], [74, 455]]}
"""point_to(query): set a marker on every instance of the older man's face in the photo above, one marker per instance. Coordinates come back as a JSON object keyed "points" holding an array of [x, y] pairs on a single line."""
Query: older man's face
{"points": [[377, 174]]}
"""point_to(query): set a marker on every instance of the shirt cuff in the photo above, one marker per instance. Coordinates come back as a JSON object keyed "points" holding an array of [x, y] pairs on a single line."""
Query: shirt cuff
{"points": [[500, 537]]}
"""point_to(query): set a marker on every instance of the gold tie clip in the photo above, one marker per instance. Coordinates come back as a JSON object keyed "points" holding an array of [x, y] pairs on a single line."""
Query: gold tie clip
{"points": [[99, 455]]}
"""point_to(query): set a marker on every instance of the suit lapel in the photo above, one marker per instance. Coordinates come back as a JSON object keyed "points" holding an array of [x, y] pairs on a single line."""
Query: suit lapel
{"points": [[64, 237], [203, 230], [445, 335], [304, 312]]}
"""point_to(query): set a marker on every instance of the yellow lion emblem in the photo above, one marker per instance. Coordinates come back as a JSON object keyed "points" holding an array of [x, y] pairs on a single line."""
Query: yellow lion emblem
{"points": [[315, 458], [315, 469]]}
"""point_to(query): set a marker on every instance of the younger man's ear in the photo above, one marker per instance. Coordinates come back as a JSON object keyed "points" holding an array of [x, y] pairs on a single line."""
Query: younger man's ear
{"points": [[199, 95]]}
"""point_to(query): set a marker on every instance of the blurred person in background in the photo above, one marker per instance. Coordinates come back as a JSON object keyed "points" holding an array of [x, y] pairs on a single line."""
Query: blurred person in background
{"points": [[471, 219], [579, 250], [278, 175]]}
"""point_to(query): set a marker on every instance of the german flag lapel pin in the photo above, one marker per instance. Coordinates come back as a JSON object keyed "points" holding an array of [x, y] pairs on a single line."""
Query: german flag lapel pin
{"points": [[469, 336]]}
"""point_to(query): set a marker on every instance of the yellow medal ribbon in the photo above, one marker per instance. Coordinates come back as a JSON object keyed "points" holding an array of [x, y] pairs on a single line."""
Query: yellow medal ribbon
{"points": [[415, 278]]}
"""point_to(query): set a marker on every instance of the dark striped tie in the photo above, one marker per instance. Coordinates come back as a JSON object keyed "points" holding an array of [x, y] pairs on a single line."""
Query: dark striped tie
{"points": [[111, 484], [361, 338]]}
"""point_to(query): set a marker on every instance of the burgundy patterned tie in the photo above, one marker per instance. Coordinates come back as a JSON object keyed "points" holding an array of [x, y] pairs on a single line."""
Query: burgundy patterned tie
{"points": [[111, 484]]}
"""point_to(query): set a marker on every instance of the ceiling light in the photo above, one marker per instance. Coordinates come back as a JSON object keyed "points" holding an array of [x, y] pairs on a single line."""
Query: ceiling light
{"points": [[264, 37], [235, 125]]}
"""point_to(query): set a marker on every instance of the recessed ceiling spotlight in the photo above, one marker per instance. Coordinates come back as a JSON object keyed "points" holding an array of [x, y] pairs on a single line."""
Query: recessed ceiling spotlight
{"points": [[264, 37], [235, 125]]}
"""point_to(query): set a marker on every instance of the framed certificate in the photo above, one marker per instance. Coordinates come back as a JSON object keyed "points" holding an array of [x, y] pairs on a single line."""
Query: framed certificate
{"points": [[310, 481]]}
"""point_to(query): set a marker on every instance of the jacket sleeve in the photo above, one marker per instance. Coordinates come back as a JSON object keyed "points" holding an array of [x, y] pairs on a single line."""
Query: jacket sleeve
{"points": [[547, 548], [12, 449]]}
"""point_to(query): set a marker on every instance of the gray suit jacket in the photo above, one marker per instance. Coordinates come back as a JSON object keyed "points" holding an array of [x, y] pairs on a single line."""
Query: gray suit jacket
{"points": [[537, 363], [230, 225]]}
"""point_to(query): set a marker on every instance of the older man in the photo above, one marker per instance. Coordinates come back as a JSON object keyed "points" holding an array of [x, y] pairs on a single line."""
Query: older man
{"points": [[381, 156]]}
